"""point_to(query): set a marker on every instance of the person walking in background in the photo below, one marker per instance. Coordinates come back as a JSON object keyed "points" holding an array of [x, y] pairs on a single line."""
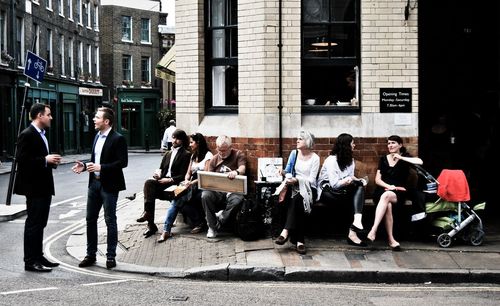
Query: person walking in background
{"points": [[301, 173], [173, 167], [190, 203], [219, 206], [337, 183], [106, 180], [391, 179], [166, 142], [34, 180]]}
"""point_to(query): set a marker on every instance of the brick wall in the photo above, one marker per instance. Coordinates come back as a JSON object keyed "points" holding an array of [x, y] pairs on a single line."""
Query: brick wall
{"points": [[367, 153]]}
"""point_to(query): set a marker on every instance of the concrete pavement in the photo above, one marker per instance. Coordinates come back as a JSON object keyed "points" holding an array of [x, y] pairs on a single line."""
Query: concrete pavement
{"points": [[327, 259]]}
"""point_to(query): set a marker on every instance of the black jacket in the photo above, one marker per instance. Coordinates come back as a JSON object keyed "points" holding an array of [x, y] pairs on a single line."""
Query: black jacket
{"points": [[34, 175], [114, 157]]}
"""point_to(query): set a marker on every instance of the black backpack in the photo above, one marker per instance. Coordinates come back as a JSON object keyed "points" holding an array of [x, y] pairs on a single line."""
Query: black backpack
{"points": [[249, 224]]}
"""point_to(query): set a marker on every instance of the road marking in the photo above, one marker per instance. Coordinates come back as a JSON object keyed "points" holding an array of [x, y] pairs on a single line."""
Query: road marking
{"points": [[69, 214], [28, 290], [106, 283], [65, 201]]}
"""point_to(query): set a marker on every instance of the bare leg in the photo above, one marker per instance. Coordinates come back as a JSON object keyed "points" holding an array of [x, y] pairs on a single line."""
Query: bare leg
{"points": [[389, 223], [386, 198]]}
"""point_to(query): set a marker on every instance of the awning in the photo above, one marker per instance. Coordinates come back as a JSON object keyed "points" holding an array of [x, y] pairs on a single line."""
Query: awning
{"points": [[165, 68]]}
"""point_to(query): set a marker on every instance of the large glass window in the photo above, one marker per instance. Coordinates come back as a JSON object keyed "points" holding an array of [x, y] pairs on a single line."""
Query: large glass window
{"points": [[70, 58], [127, 67], [78, 14], [70, 9], [126, 28], [330, 54], [145, 30], [222, 54], [60, 7]]}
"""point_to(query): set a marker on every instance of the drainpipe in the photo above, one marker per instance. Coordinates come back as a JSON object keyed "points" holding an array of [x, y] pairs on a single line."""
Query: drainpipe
{"points": [[280, 81]]}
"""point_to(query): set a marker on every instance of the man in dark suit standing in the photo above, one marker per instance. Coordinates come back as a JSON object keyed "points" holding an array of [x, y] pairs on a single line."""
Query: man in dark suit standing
{"points": [[106, 180], [172, 171], [34, 180]]}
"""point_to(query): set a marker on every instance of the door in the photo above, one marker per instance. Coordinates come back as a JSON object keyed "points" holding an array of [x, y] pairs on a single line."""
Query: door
{"points": [[131, 124], [69, 134], [459, 109]]}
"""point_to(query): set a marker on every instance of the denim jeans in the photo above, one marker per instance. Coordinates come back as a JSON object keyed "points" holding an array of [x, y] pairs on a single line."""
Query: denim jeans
{"points": [[97, 198], [172, 213]]}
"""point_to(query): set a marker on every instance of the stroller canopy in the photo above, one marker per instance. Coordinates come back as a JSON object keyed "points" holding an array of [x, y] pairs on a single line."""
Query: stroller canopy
{"points": [[453, 186]]}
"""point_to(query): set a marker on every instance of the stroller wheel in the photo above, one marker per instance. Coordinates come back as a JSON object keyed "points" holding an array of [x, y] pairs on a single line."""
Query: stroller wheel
{"points": [[444, 240], [476, 238]]}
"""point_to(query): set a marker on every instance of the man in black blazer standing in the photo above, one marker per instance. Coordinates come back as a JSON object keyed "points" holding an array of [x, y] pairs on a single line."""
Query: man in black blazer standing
{"points": [[172, 171], [34, 180], [106, 180]]}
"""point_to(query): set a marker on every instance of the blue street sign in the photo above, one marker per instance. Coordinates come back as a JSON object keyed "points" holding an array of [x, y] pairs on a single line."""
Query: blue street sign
{"points": [[35, 67]]}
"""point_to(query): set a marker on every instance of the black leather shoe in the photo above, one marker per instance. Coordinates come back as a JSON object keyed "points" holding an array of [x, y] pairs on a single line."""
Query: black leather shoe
{"points": [[144, 217], [45, 262], [150, 231], [110, 263], [281, 240], [87, 262], [36, 267], [361, 244], [301, 249]]}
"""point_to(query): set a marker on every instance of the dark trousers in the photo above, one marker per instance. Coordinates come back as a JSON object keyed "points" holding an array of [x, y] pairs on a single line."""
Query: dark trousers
{"points": [[354, 194], [154, 190], [96, 199], [37, 208], [295, 218]]}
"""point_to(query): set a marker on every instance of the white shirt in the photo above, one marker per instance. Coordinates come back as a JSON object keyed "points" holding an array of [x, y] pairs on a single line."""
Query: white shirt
{"points": [[201, 165], [167, 136], [173, 153], [101, 139], [42, 134], [331, 173], [308, 169]]}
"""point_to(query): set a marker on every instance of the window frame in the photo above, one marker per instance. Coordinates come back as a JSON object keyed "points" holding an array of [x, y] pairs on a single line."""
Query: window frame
{"points": [[129, 68], [129, 28], [342, 62], [147, 72], [230, 58], [148, 41]]}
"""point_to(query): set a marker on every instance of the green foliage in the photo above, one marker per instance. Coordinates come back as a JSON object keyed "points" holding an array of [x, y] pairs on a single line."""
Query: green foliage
{"points": [[164, 116]]}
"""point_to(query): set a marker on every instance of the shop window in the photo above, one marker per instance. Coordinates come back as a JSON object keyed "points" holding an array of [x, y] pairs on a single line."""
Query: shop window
{"points": [[330, 55], [222, 55]]}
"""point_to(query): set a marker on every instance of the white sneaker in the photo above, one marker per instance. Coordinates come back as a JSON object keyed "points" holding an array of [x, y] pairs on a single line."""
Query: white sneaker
{"points": [[211, 233]]}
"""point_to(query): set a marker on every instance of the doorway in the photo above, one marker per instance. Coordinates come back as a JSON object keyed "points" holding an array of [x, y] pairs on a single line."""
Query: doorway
{"points": [[131, 124], [459, 101]]}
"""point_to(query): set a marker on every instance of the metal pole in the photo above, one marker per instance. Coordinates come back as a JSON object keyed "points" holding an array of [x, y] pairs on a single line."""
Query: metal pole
{"points": [[13, 169], [280, 80]]}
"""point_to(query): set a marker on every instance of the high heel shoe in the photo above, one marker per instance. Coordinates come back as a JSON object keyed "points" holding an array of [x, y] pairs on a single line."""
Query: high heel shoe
{"points": [[361, 244], [395, 248], [281, 240], [164, 236]]}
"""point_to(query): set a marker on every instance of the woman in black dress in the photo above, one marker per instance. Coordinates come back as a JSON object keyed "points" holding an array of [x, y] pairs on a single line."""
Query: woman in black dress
{"points": [[392, 175]]}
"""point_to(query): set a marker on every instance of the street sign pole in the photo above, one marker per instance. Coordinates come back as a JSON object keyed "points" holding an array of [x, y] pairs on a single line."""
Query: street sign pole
{"points": [[13, 169], [34, 69]]}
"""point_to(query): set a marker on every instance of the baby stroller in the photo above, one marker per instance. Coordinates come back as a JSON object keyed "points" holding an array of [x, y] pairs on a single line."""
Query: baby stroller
{"points": [[450, 213]]}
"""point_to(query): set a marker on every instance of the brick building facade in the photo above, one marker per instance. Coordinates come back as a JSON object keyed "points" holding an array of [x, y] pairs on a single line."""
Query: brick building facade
{"points": [[387, 58]]}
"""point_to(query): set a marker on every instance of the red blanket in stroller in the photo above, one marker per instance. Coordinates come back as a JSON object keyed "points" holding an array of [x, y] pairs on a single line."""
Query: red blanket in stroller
{"points": [[453, 186]]}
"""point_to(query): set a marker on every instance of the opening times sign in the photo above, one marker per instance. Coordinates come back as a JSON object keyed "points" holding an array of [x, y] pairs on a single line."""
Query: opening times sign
{"points": [[395, 100]]}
